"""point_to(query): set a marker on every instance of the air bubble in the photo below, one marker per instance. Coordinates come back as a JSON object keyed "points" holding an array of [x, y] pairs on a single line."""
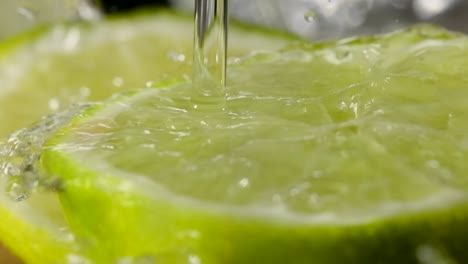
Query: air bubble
{"points": [[428, 254], [88, 11], [54, 104], [310, 16], [177, 57], [118, 81], [194, 259], [244, 183], [314, 199], [19, 156], [149, 84], [76, 259], [28, 14], [85, 92], [428, 9]]}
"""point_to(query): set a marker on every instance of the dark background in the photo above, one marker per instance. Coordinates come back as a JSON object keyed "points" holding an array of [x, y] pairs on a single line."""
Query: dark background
{"points": [[114, 6]]}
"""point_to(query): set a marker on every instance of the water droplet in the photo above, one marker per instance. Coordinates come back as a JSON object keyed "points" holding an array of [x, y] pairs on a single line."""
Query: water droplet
{"points": [[118, 81], [427, 9], [125, 260], [148, 259], [108, 146], [337, 57], [28, 14], [149, 84], [149, 146], [317, 174], [433, 164], [186, 77], [85, 92], [428, 254], [194, 259], [72, 39], [87, 11], [19, 156], [54, 104], [277, 199], [310, 16], [244, 183], [294, 192], [76, 259], [68, 236], [314, 199], [177, 57]]}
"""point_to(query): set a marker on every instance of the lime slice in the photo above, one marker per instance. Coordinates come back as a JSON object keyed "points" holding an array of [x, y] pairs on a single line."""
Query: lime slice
{"points": [[353, 152], [46, 70]]}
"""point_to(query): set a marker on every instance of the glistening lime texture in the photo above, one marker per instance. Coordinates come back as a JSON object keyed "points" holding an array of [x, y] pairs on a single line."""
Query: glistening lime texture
{"points": [[48, 69], [349, 152]]}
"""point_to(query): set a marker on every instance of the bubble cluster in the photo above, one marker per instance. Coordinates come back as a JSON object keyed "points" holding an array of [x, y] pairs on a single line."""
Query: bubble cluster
{"points": [[20, 154]]}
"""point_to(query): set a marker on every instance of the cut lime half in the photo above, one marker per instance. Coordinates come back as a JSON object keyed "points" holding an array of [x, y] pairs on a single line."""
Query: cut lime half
{"points": [[351, 152], [46, 70]]}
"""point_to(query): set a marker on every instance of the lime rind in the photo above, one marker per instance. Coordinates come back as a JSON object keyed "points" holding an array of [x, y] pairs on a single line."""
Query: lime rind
{"points": [[46, 240], [185, 226]]}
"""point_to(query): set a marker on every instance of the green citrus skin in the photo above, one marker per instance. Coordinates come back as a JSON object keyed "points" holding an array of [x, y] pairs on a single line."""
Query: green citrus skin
{"points": [[130, 225], [48, 69], [347, 152]]}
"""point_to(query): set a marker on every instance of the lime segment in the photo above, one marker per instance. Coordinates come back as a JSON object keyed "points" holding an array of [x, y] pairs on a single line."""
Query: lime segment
{"points": [[330, 153]]}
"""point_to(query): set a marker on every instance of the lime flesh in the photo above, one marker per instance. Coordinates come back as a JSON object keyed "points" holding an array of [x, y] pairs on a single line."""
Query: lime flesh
{"points": [[353, 152], [46, 70]]}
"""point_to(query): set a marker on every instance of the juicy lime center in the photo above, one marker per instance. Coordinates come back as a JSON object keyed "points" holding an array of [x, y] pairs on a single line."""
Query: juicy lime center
{"points": [[343, 131]]}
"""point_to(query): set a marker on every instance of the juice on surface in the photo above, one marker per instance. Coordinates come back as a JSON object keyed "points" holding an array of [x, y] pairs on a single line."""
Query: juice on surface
{"points": [[343, 152], [331, 152]]}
